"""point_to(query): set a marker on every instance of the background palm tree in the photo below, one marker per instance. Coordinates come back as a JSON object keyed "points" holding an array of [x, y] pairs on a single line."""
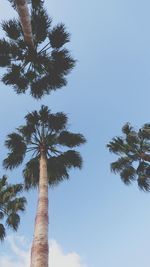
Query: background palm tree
{"points": [[133, 149], [22, 8], [45, 135], [43, 68], [10, 206]]}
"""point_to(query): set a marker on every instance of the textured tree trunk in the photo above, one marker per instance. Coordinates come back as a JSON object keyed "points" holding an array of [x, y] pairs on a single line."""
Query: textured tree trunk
{"points": [[39, 252], [25, 20]]}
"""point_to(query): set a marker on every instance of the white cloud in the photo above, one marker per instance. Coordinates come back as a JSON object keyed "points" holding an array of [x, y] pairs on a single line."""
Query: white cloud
{"points": [[59, 258], [20, 256]]}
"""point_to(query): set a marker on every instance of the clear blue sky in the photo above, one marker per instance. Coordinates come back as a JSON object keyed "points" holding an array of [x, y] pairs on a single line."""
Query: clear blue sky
{"points": [[95, 214]]}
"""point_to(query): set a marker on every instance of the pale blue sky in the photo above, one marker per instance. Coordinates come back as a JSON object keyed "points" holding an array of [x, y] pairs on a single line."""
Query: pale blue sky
{"points": [[94, 214]]}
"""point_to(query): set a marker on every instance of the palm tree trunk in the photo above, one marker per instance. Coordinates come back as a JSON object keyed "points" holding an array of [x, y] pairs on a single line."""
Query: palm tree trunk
{"points": [[39, 252], [145, 157], [25, 20]]}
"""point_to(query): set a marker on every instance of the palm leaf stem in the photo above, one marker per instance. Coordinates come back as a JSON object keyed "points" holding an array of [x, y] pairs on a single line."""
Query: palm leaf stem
{"points": [[43, 48]]}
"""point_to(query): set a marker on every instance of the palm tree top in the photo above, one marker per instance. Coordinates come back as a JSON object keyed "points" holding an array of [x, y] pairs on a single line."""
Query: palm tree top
{"points": [[44, 132], [133, 149], [42, 69], [10, 206]]}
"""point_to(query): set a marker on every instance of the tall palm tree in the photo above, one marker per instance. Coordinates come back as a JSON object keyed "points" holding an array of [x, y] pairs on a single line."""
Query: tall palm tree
{"points": [[45, 136], [133, 149], [22, 8], [43, 68], [10, 206]]}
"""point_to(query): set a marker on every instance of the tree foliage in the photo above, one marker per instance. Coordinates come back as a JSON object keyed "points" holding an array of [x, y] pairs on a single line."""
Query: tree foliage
{"points": [[47, 131], [133, 149], [10, 206], [42, 69]]}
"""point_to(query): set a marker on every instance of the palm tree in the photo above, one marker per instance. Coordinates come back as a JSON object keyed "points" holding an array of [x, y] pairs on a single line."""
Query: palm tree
{"points": [[133, 149], [10, 206], [43, 68], [45, 135], [25, 20]]}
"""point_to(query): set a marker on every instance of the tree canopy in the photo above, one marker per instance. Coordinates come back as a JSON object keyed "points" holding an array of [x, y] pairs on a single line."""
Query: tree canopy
{"points": [[47, 131], [133, 149], [42, 69]]}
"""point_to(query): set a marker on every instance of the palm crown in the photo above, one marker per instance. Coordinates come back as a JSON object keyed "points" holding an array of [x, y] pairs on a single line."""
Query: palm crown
{"points": [[44, 132], [133, 149], [10, 205], [43, 68]]}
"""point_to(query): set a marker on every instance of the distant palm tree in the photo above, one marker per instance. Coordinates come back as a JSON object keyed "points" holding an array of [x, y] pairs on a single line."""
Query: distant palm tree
{"points": [[46, 136], [25, 19], [10, 206], [133, 149], [43, 68]]}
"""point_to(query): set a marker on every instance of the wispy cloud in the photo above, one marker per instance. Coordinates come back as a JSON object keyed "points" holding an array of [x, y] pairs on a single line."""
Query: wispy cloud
{"points": [[20, 256]]}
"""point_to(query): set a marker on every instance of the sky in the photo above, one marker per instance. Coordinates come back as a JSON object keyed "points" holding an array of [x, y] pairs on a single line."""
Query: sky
{"points": [[95, 220]]}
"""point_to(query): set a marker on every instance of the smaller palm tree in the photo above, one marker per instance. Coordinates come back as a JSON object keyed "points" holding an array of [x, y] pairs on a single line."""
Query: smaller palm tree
{"points": [[10, 206], [46, 137], [133, 149], [41, 69]]}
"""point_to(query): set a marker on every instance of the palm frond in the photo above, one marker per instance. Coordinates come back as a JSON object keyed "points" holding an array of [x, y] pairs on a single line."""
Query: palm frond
{"points": [[117, 146], [31, 174], [40, 24], [120, 164], [17, 204], [40, 86], [56, 81], [62, 61], [36, 4], [132, 138], [15, 78], [144, 183], [10, 205], [13, 221], [17, 147], [44, 114], [4, 47], [12, 28], [58, 36], [128, 175], [145, 131], [70, 139], [57, 171], [32, 118], [127, 128], [15, 143], [57, 122], [71, 158], [27, 132], [143, 168]]}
